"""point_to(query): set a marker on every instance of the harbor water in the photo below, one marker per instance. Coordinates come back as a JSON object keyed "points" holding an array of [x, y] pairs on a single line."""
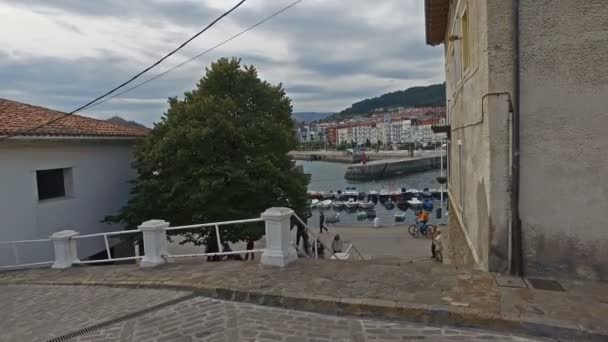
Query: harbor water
{"points": [[327, 176]]}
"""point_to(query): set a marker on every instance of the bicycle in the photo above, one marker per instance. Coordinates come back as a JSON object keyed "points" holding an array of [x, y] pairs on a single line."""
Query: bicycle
{"points": [[414, 230]]}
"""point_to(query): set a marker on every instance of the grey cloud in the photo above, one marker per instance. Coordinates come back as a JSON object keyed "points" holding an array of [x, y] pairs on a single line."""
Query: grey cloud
{"points": [[328, 42]]}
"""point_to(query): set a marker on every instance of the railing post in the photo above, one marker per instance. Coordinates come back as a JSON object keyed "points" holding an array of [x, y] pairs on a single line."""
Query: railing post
{"points": [[155, 242], [279, 251], [64, 246]]}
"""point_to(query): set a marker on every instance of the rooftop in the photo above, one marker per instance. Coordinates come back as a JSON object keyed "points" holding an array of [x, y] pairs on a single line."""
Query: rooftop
{"points": [[436, 18], [16, 117]]}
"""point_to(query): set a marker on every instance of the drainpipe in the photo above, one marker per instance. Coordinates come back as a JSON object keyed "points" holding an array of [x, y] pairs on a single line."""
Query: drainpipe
{"points": [[516, 266]]}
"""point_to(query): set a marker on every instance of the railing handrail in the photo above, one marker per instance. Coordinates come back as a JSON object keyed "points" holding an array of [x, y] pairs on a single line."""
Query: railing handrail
{"points": [[23, 241], [316, 237], [118, 232], [213, 224], [356, 250]]}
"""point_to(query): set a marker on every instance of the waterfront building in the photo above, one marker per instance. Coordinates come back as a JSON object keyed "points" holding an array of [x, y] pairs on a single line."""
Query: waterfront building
{"points": [[527, 91]]}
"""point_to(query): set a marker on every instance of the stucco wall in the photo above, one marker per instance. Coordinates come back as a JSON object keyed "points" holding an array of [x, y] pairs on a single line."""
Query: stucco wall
{"points": [[100, 171], [470, 145], [564, 156]]}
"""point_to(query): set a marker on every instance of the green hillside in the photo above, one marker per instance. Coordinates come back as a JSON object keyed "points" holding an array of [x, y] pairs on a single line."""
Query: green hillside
{"points": [[433, 95]]}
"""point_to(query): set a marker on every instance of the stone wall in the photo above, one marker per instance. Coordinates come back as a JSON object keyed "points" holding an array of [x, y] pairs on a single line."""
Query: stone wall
{"points": [[564, 155]]}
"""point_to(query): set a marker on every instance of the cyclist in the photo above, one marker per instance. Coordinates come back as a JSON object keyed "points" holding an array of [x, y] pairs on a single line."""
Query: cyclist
{"points": [[422, 218]]}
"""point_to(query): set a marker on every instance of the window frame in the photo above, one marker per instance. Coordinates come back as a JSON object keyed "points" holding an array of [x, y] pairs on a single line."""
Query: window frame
{"points": [[68, 183], [465, 46]]}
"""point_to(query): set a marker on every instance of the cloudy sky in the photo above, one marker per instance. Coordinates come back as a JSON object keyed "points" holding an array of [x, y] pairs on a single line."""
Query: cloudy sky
{"points": [[327, 53]]}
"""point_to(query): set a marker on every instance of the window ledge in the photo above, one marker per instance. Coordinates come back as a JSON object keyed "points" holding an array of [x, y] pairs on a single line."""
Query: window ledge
{"points": [[55, 200]]}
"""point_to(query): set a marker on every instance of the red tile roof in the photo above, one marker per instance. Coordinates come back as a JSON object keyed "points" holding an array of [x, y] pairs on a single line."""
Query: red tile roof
{"points": [[15, 117]]}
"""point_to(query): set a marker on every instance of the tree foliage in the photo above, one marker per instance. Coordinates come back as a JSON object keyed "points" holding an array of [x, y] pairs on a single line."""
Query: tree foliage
{"points": [[433, 95], [218, 154]]}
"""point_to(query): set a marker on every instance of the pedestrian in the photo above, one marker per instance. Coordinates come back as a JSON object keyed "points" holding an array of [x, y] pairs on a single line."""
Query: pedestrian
{"points": [[211, 247], [336, 244], [433, 246], [226, 249], [249, 248], [438, 246], [322, 223]]}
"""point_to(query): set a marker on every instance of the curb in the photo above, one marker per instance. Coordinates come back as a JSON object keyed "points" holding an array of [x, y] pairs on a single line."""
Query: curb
{"points": [[438, 315]]}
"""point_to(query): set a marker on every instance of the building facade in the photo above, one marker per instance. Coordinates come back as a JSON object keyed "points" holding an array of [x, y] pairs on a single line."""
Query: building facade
{"points": [[527, 99], [65, 176]]}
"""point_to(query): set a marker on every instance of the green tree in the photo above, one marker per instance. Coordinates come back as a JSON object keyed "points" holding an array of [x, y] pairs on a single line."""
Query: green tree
{"points": [[218, 154]]}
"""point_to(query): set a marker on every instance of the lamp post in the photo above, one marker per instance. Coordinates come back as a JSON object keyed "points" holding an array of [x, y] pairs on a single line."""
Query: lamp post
{"points": [[441, 174]]}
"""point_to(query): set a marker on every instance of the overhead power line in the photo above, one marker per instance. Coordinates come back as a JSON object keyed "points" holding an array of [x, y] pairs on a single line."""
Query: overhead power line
{"points": [[132, 78], [197, 56]]}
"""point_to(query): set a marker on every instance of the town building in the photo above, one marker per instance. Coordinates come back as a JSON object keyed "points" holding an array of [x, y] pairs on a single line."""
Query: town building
{"points": [[527, 99], [67, 175]]}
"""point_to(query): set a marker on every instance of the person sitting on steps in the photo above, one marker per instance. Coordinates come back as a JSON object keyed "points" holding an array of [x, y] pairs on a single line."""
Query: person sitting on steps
{"points": [[336, 244]]}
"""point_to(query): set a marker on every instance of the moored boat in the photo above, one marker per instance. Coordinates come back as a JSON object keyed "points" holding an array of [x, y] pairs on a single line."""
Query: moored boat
{"points": [[372, 195], [361, 196], [361, 215], [351, 203], [326, 204], [366, 205], [389, 205], [414, 203], [384, 195], [339, 205], [402, 205], [351, 193], [314, 203]]}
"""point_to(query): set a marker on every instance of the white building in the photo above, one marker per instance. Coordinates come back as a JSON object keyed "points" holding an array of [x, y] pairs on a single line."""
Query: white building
{"points": [[66, 175]]}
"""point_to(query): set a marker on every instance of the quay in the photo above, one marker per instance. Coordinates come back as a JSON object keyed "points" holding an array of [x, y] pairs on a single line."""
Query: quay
{"points": [[344, 157], [380, 169]]}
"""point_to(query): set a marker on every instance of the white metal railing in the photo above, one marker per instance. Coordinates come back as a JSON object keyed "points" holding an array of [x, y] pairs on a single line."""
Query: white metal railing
{"points": [[107, 246], [216, 226], [346, 254], [15, 253]]}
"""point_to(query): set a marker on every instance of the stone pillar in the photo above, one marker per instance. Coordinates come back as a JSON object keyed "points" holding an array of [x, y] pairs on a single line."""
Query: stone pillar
{"points": [[155, 242], [64, 245], [279, 251]]}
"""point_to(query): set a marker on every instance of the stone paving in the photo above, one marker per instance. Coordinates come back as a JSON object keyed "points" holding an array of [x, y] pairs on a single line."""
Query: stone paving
{"points": [[39, 313], [420, 291]]}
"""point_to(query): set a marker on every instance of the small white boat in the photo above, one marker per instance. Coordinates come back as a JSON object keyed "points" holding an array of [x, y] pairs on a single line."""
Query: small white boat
{"points": [[339, 204], [415, 203], [412, 192], [399, 217], [351, 203], [366, 205], [326, 204], [314, 203], [361, 215], [351, 193]]}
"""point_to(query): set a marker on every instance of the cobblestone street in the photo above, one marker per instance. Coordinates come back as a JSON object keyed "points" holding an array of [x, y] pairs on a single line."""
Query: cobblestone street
{"points": [[40, 313]]}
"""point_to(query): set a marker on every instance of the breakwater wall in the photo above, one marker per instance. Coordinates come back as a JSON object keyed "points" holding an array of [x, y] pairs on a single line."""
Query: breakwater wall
{"points": [[391, 168]]}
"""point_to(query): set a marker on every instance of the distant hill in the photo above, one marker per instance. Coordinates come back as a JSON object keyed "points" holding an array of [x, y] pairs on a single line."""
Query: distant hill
{"points": [[431, 96], [121, 121], [310, 116]]}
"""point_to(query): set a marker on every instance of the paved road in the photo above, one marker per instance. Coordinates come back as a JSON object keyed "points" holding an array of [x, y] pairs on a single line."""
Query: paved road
{"points": [[40, 313]]}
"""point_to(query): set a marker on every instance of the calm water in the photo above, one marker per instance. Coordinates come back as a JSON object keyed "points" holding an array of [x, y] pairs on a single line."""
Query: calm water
{"points": [[327, 176]]}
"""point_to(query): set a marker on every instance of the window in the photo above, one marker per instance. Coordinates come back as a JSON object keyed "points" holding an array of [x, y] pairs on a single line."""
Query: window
{"points": [[465, 40], [53, 183]]}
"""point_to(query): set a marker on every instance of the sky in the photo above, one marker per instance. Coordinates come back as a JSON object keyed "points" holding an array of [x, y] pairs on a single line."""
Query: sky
{"points": [[327, 53]]}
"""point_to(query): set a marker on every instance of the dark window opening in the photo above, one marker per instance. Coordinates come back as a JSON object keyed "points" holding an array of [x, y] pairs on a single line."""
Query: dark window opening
{"points": [[51, 183]]}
